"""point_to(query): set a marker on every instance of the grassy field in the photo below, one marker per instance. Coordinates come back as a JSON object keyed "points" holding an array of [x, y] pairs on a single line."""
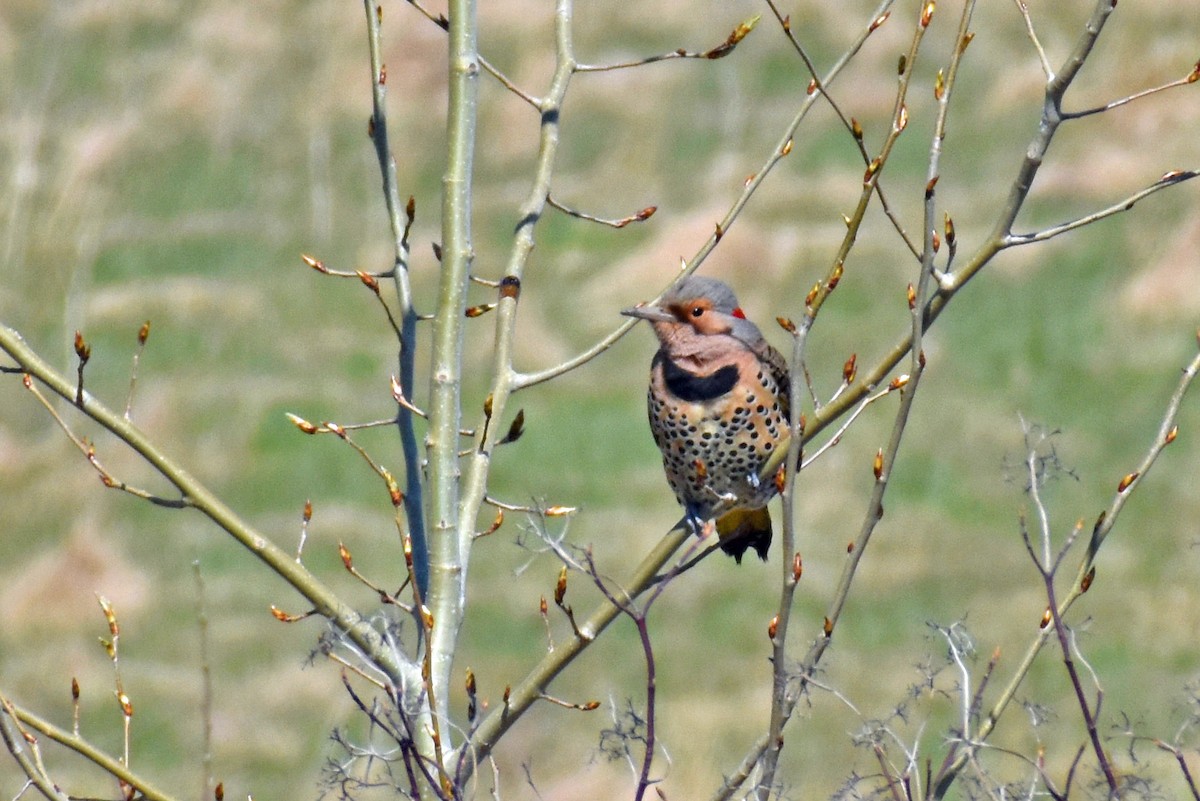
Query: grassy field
{"points": [[170, 163]]}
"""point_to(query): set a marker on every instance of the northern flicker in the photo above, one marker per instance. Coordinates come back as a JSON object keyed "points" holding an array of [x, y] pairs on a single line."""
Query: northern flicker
{"points": [[718, 403]]}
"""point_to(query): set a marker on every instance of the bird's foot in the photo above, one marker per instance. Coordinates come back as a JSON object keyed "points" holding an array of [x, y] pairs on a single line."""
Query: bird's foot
{"points": [[698, 523]]}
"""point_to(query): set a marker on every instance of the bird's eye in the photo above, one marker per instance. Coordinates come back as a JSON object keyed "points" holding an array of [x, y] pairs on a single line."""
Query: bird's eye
{"points": [[697, 311]]}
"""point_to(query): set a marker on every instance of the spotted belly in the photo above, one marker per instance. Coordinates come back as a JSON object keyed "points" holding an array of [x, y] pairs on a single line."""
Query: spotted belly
{"points": [[714, 450]]}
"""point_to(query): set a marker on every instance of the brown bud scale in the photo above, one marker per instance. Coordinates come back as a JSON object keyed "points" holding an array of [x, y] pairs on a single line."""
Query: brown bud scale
{"points": [[471, 312], [510, 287], [1086, 583], [560, 589], [835, 276]]}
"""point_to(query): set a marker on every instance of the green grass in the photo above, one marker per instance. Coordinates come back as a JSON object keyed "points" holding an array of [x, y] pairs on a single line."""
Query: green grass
{"points": [[176, 181]]}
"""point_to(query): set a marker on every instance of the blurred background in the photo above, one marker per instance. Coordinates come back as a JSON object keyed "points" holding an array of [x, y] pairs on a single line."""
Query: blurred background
{"points": [[169, 162]]}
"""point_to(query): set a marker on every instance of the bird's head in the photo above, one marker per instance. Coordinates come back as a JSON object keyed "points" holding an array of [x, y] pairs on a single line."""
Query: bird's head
{"points": [[704, 305], [697, 306]]}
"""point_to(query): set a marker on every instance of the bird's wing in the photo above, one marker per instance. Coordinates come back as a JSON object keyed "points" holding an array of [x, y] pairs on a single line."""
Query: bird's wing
{"points": [[779, 371]]}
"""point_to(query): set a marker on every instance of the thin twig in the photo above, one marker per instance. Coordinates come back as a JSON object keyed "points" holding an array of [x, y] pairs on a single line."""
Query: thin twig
{"points": [[783, 147], [475, 466], [1190, 78], [783, 701], [1089, 717], [1181, 760], [1164, 436], [1170, 179], [89, 451], [206, 687], [621, 222], [712, 53], [27, 753], [1023, 7], [441, 21], [143, 335], [324, 269], [844, 426], [850, 124], [343, 617], [111, 766]]}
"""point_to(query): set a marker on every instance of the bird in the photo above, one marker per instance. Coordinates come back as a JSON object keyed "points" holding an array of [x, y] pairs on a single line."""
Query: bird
{"points": [[719, 404]]}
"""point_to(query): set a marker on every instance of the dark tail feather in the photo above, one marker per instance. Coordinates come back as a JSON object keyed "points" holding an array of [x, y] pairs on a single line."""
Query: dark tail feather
{"points": [[743, 529]]}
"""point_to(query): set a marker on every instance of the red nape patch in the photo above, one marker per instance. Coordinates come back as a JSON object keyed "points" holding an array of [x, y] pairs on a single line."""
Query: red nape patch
{"points": [[738, 313]]}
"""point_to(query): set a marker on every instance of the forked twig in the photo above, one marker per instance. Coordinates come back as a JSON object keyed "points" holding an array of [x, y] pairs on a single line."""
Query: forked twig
{"points": [[1164, 436], [97, 756]]}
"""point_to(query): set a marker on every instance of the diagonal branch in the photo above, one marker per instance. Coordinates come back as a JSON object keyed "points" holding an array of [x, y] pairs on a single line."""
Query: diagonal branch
{"points": [[1164, 436], [781, 149], [201, 498], [1191, 77], [111, 766], [1170, 179]]}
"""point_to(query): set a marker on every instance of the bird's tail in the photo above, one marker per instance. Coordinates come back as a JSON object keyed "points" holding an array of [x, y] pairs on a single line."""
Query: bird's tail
{"points": [[743, 529]]}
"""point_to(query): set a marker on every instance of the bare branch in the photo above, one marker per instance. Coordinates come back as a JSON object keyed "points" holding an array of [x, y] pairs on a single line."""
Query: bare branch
{"points": [[1023, 7], [640, 216], [1165, 435], [85, 749], [443, 23], [1169, 179], [400, 218], [720, 51], [330, 606], [1190, 78]]}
